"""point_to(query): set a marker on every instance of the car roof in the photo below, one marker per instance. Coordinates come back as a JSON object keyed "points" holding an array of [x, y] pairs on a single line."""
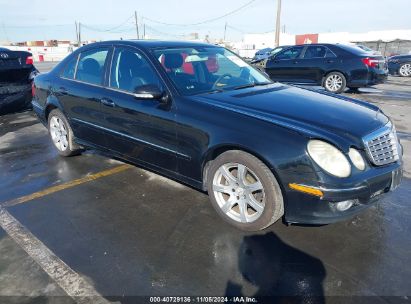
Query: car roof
{"points": [[151, 44]]}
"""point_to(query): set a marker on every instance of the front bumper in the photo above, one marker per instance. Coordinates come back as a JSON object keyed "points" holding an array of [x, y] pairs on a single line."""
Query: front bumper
{"points": [[307, 209], [393, 68]]}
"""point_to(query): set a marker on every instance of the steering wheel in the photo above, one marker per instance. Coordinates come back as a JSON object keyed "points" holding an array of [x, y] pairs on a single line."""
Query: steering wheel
{"points": [[226, 75]]}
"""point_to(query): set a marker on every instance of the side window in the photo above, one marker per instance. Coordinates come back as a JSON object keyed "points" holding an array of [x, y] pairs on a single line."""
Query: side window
{"points": [[131, 70], [70, 68], [315, 52], [329, 54], [90, 67], [291, 53]]}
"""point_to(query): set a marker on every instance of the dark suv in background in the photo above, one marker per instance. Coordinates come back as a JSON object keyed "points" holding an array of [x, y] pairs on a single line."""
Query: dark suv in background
{"points": [[333, 66]]}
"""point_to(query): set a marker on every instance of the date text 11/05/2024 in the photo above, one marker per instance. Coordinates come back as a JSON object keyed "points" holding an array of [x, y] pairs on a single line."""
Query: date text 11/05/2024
{"points": [[189, 299]]}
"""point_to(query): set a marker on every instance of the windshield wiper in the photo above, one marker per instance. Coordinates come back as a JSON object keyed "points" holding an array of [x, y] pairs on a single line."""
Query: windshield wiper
{"points": [[250, 85], [214, 91]]}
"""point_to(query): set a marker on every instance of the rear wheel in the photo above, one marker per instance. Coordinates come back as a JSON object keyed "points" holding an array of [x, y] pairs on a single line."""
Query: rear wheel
{"points": [[61, 134], [405, 70], [244, 191], [335, 82]]}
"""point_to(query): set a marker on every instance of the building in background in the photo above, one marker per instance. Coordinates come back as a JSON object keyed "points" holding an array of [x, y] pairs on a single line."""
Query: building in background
{"points": [[387, 42]]}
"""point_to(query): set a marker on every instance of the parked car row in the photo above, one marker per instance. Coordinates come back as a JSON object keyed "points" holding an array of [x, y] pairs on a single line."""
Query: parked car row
{"points": [[201, 115], [333, 66], [16, 76]]}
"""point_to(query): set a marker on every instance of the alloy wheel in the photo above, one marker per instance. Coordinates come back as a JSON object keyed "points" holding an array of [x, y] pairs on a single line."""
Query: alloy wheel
{"points": [[405, 69], [58, 133], [239, 192], [334, 82]]}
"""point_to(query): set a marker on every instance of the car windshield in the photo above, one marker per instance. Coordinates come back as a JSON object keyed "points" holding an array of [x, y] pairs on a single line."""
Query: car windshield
{"points": [[197, 70], [276, 50]]}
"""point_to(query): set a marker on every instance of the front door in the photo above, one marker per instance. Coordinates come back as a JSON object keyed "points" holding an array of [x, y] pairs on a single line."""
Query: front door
{"points": [[285, 66], [138, 129]]}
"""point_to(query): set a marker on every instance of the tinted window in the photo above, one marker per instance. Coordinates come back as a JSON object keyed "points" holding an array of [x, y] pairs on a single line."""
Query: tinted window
{"points": [[291, 53], [131, 70], [204, 69], [315, 52], [90, 67], [353, 49], [70, 68], [329, 54]]}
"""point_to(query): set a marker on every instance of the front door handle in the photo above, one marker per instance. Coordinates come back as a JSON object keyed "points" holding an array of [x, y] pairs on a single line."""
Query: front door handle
{"points": [[330, 61], [107, 102], [62, 91], [295, 62]]}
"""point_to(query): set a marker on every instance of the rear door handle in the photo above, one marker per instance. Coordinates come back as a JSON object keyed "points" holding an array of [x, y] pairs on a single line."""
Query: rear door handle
{"points": [[295, 62], [107, 102], [330, 61]]}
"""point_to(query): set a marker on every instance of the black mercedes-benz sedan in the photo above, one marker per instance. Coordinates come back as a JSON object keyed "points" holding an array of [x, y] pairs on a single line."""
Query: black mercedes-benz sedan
{"points": [[199, 114], [16, 77], [333, 66], [400, 65]]}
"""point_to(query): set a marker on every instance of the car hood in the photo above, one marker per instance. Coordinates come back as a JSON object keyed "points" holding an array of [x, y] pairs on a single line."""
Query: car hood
{"points": [[343, 121]]}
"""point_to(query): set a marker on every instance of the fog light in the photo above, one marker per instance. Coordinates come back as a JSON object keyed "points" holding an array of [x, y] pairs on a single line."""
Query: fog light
{"points": [[344, 205]]}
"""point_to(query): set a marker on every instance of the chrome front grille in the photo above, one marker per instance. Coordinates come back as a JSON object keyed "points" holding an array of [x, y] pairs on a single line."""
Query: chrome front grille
{"points": [[382, 145]]}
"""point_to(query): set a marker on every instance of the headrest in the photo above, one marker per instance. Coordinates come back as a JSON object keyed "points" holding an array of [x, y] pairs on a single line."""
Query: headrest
{"points": [[91, 65], [173, 61], [130, 60]]}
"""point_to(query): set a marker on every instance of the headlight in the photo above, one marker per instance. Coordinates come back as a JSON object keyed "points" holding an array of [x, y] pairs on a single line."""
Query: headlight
{"points": [[356, 159], [329, 158]]}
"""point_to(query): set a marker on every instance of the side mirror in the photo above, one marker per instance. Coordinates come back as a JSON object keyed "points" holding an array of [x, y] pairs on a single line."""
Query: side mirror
{"points": [[149, 91]]}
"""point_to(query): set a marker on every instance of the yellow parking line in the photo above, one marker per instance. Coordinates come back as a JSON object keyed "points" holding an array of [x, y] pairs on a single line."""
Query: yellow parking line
{"points": [[67, 185]]}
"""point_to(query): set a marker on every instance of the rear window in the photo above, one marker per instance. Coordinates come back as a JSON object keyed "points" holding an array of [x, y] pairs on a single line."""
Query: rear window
{"points": [[90, 66], [353, 49], [70, 68]]}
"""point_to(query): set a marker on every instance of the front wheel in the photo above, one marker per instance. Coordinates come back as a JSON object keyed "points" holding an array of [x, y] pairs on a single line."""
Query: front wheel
{"points": [[244, 191], [61, 134], [335, 82], [405, 70]]}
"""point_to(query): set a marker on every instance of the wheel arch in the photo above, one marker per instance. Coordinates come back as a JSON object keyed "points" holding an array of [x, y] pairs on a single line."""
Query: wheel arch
{"points": [[51, 104], [215, 151], [332, 71]]}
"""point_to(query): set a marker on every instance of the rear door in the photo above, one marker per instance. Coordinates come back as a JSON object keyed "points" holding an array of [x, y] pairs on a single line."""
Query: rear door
{"points": [[139, 129], [285, 66], [80, 91], [316, 61]]}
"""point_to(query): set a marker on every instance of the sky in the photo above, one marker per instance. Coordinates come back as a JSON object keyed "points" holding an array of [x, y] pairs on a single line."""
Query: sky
{"points": [[22, 20]]}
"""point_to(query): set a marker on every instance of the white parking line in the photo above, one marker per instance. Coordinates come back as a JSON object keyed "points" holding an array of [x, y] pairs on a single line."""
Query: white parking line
{"points": [[71, 282]]}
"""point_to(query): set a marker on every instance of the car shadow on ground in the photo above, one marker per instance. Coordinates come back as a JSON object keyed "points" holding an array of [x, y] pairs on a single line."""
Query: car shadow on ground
{"points": [[280, 272]]}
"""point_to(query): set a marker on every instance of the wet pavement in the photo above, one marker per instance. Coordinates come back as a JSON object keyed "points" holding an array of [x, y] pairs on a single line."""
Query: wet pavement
{"points": [[135, 233]]}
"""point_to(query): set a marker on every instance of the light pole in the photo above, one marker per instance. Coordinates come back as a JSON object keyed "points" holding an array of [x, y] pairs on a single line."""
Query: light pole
{"points": [[277, 24]]}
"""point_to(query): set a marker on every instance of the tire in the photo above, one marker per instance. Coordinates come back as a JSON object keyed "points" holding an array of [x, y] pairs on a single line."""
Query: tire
{"points": [[334, 82], [61, 134], [354, 90], [405, 70], [228, 194]]}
